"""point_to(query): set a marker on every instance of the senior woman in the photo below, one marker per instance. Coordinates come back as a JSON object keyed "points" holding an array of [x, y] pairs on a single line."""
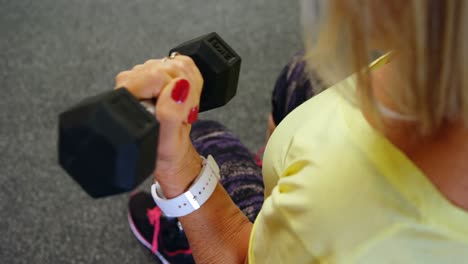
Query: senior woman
{"points": [[371, 170]]}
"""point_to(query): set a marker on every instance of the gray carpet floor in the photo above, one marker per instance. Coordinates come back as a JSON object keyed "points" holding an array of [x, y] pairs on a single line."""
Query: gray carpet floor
{"points": [[54, 53]]}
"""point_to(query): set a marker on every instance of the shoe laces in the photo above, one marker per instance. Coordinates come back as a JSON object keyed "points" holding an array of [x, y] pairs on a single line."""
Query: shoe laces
{"points": [[259, 156], [154, 217]]}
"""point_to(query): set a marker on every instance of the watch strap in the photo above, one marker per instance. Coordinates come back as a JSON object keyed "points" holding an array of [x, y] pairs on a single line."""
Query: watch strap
{"points": [[197, 194]]}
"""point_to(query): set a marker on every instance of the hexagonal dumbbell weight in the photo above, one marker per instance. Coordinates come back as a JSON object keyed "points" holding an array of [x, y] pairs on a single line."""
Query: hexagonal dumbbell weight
{"points": [[107, 143]]}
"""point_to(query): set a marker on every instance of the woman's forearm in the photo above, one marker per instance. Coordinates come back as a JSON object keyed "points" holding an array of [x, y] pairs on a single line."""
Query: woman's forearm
{"points": [[218, 232]]}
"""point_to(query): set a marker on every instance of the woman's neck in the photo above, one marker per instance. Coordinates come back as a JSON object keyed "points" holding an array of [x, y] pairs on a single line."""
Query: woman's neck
{"points": [[442, 157]]}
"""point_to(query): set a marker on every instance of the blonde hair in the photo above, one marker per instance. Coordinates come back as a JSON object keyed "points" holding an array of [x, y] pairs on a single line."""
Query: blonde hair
{"points": [[429, 38]]}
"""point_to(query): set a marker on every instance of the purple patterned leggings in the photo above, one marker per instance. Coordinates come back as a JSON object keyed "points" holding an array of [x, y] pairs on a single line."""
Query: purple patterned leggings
{"points": [[240, 174]]}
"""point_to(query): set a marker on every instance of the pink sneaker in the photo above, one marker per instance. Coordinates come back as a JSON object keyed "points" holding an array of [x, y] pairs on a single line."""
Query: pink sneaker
{"points": [[162, 235]]}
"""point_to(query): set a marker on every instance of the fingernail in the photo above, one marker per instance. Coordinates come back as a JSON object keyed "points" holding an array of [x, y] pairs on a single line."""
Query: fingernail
{"points": [[193, 115], [180, 91]]}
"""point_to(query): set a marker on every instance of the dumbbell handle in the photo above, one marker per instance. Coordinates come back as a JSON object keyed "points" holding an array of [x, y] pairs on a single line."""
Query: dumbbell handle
{"points": [[149, 106]]}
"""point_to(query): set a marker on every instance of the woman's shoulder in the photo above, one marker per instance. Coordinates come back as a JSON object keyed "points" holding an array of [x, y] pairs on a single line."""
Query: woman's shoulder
{"points": [[313, 127]]}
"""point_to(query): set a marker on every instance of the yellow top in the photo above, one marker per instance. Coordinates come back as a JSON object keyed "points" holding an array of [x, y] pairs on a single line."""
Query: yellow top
{"points": [[337, 191]]}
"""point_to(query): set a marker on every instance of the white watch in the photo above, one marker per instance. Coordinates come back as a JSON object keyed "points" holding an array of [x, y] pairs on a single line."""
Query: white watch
{"points": [[198, 193]]}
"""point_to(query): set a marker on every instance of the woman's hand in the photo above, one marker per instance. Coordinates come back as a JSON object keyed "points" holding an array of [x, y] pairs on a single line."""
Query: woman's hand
{"points": [[176, 85]]}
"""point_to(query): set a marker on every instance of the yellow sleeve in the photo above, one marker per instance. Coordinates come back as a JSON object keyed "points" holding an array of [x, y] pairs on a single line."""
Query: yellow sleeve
{"points": [[275, 237]]}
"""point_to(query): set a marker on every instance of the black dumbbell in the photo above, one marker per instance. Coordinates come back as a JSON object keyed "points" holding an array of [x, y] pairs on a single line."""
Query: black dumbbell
{"points": [[107, 143]]}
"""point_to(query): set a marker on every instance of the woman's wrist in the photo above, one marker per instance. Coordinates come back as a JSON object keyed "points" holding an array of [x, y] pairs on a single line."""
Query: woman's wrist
{"points": [[175, 180]]}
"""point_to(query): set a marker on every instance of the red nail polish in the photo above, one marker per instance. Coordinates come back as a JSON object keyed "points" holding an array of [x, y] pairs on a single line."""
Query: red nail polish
{"points": [[180, 91], [193, 115]]}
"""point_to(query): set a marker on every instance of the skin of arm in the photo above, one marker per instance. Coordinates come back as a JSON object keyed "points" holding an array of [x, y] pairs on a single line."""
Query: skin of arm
{"points": [[218, 232]]}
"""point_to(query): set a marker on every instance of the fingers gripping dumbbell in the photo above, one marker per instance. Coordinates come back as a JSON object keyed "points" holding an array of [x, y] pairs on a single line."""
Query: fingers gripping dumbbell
{"points": [[107, 143]]}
